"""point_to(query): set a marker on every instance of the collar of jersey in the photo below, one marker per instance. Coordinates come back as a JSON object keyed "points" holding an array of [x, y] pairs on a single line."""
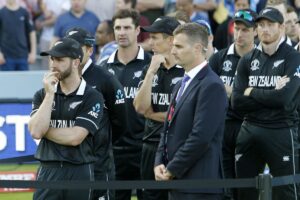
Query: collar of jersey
{"points": [[140, 56], [86, 66], [282, 40], [79, 91]]}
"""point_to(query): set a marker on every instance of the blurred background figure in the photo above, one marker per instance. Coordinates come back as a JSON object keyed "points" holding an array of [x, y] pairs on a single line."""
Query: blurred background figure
{"points": [[77, 16], [210, 49], [224, 32], [17, 38], [291, 26], [50, 10], [105, 40]]}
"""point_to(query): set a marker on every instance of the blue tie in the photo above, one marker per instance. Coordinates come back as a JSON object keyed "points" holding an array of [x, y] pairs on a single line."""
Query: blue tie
{"points": [[183, 82]]}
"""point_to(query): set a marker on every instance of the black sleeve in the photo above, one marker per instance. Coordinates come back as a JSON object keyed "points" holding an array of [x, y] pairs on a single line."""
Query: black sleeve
{"points": [[91, 112], [282, 97], [144, 72], [238, 100], [37, 101], [221, 36], [215, 62], [115, 102]]}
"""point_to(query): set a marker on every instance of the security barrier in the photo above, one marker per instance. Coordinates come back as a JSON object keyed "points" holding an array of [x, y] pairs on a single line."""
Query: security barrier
{"points": [[263, 183]]}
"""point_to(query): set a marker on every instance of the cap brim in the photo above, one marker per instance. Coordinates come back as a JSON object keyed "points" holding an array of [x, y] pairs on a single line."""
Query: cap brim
{"points": [[247, 23], [267, 18], [52, 53], [150, 29]]}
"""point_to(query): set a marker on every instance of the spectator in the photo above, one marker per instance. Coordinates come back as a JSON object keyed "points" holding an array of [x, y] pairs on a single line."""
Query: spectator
{"points": [[150, 9], [45, 24], [18, 38], [181, 16], [77, 16], [188, 7], [105, 39], [104, 9]]}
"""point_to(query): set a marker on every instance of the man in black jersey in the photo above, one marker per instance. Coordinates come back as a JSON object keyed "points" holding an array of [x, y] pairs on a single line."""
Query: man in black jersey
{"points": [[153, 97], [224, 63], [66, 115], [127, 64], [113, 124], [266, 88]]}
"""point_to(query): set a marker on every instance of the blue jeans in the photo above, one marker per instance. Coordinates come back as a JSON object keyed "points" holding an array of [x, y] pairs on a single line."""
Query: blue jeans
{"points": [[15, 64]]}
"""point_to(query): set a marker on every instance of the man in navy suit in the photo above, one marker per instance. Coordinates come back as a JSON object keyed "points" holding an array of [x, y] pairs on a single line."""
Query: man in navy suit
{"points": [[191, 144]]}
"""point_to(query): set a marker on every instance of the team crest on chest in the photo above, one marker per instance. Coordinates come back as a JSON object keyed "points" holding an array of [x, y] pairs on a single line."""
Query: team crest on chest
{"points": [[227, 66], [255, 65]]}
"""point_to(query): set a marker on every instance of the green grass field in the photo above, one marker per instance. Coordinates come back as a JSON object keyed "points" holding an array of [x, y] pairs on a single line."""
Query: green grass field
{"points": [[17, 168], [20, 168]]}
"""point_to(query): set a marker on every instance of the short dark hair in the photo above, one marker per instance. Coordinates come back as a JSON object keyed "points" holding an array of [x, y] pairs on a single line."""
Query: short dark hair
{"points": [[127, 13], [195, 32], [110, 26]]}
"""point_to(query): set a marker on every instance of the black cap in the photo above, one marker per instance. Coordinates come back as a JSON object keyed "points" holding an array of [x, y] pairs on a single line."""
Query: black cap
{"points": [[271, 14], [66, 47], [246, 16], [81, 35], [163, 24]]}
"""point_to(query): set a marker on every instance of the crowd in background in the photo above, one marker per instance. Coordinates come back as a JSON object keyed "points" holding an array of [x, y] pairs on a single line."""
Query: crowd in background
{"points": [[49, 20]]}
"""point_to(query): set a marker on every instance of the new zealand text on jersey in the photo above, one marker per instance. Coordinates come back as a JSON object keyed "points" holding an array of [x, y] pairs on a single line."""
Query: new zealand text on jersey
{"points": [[130, 92], [161, 99], [227, 80], [263, 81], [58, 123]]}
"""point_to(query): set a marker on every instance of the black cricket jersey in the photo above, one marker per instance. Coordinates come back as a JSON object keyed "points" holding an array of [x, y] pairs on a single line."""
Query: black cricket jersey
{"points": [[266, 106], [84, 108], [129, 76], [113, 94], [224, 64], [162, 86]]}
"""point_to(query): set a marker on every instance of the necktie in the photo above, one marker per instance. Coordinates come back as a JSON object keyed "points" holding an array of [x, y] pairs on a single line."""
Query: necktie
{"points": [[183, 82]]}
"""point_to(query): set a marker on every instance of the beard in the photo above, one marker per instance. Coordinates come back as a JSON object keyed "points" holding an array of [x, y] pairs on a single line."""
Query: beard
{"points": [[65, 74]]}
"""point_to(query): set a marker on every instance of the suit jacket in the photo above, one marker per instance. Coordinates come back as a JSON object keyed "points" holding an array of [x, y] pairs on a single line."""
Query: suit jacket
{"points": [[191, 142]]}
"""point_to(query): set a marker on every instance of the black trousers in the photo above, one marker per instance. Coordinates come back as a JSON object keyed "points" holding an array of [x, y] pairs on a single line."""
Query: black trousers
{"points": [[175, 195], [231, 131], [127, 164], [105, 171], [55, 171], [147, 172], [257, 146]]}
